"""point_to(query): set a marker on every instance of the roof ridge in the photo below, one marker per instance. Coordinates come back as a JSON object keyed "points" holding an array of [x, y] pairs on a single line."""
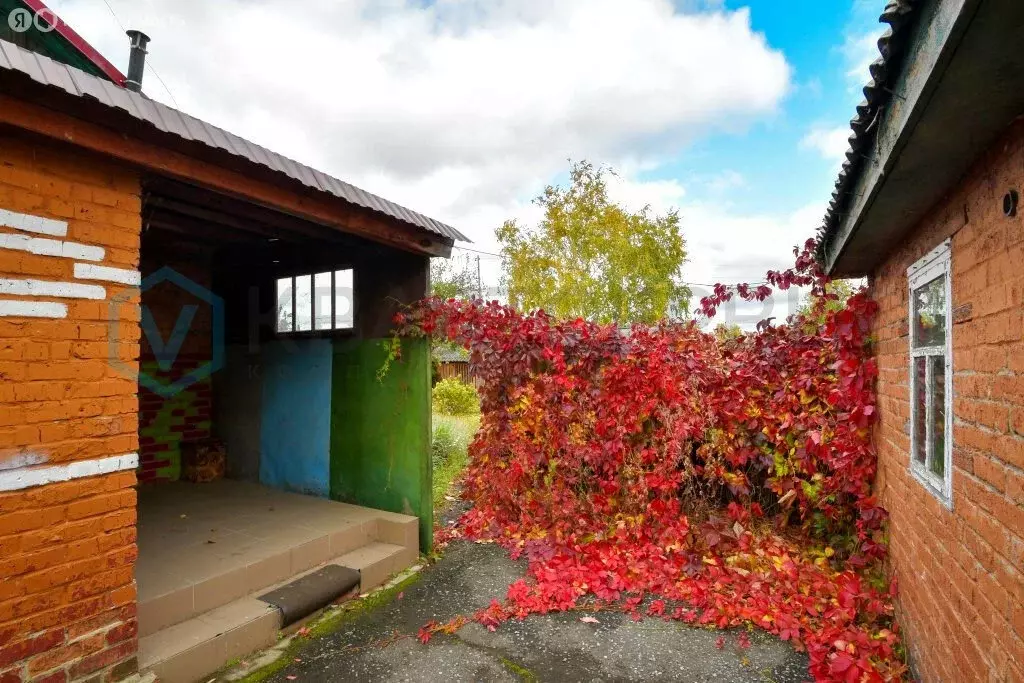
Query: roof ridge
{"points": [[84, 48]]}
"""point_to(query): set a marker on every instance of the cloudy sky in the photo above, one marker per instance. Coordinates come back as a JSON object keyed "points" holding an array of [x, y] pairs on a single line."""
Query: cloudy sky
{"points": [[733, 111]]}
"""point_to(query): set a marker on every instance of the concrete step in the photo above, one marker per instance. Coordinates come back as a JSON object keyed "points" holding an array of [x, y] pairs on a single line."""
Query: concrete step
{"points": [[186, 652], [399, 530], [191, 649], [377, 561], [164, 607]]}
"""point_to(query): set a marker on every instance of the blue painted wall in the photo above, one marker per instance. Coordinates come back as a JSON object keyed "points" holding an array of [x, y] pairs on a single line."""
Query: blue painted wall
{"points": [[295, 429]]}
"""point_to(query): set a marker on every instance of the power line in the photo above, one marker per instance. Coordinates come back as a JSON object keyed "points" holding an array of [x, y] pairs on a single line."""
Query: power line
{"points": [[477, 251], [689, 284], [735, 284], [166, 89], [152, 67]]}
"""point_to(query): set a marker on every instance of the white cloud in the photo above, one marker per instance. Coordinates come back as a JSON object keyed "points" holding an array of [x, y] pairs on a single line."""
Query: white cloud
{"points": [[725, 181], [830, 143], [728, 246], [737, 247], [860, 51], [465, 109], [660, 195], [461, 109], [731, 247]]}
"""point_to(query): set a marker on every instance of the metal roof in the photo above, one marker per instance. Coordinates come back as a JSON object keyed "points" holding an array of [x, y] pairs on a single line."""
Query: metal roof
{"points": [[88, 52], [899, 14], [449, 354], [78, 83]]}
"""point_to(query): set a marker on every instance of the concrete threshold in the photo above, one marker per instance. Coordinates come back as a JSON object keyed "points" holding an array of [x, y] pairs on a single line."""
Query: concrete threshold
{"points": [[189, 650]]}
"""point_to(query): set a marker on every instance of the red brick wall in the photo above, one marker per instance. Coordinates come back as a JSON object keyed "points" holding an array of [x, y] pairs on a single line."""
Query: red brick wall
{"points": [[167, 421], [67, 550], [961, 572]]}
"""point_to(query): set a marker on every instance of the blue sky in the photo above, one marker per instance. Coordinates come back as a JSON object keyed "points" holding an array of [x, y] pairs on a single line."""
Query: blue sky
{"points": [[823, 43], [734, 112]]}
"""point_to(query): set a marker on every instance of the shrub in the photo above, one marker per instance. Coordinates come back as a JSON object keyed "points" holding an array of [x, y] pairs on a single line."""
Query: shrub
{"points": [[452, 397], [733, 480], [444, 444]]}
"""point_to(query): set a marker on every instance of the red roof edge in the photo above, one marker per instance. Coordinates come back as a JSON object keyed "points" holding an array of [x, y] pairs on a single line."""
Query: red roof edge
{"points": [[79, 43]]}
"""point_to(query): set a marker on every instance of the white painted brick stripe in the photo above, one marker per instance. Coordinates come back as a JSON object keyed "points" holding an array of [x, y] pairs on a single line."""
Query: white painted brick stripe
{"points": [[32, 309], [62, 290], [27, 477], [87, 271], [29, 223], [46, 247]]}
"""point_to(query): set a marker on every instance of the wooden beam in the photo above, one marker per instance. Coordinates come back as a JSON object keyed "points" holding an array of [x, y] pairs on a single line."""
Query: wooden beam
{"points": [[201, 231], [231, 212], [303, 203], [171, 209]]}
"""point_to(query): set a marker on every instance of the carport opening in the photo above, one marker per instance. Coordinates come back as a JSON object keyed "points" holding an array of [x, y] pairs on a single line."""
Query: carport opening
{"points": [[255, 349], [240, 307]]}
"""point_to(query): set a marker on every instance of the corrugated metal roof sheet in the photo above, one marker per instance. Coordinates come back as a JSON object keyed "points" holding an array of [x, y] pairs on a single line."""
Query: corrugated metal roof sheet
{"points": [[899, 14], [75, 82], [447, 354]]}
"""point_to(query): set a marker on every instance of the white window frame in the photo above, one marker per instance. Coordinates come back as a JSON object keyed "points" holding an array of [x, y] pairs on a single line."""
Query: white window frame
{"points": [[934, 264]]}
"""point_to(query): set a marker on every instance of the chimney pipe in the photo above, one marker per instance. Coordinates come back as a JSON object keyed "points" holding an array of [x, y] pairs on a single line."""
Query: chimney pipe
{"points": [[137, 61]]}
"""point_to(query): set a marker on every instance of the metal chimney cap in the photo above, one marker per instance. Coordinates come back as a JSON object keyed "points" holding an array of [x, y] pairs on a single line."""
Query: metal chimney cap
{"points": [[138, 38]]}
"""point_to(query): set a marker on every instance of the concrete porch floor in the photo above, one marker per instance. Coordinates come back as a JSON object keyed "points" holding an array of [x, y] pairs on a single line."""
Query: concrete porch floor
{"points": [[206, 551]]}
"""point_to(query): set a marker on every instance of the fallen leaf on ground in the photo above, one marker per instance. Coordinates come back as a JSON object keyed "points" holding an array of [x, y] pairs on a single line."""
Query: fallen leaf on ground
{"points": [[589, 620]]}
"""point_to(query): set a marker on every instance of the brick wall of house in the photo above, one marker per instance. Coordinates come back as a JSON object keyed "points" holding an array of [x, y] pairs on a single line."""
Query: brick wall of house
{"points": [[67, 549], [961, 572]]}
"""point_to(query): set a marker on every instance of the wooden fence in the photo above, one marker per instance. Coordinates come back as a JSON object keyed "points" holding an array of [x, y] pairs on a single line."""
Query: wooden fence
{"points": [[457, 369]]}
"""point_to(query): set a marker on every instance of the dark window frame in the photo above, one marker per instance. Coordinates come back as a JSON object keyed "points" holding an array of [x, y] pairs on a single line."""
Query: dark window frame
{"points": [[313, 332]]}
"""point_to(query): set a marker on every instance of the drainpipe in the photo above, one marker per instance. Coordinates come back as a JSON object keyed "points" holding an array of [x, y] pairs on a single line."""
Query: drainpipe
{"points": [[137, 61]]}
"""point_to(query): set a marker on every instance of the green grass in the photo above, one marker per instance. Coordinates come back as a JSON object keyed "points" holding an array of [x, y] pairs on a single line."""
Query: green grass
{"points": [[464, 427]]}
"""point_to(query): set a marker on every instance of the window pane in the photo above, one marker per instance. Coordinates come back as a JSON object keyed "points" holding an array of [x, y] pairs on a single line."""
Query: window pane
{"points": [[344, 300], [284, 304], [938, 426], [929, 321], [303, 303], [322, 296], [919, 409]]}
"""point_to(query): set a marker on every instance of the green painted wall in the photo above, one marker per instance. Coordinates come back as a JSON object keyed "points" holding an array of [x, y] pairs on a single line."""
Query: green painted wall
{"points": [[380, 430]]}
